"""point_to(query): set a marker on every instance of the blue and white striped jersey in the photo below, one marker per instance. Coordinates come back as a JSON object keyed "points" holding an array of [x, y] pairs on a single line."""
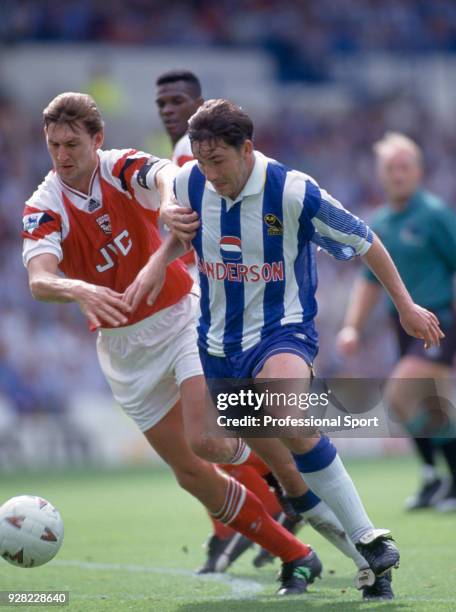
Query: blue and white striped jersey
{"points": [[256, 259]]}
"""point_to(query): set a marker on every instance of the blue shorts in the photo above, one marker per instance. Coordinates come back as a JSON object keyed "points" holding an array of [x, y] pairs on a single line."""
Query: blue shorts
{"points": [[235, 372], [294, 339]]}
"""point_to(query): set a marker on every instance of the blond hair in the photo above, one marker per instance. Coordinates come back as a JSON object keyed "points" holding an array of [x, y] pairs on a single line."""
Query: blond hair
{"points": [[72, 108], [393, 142]]}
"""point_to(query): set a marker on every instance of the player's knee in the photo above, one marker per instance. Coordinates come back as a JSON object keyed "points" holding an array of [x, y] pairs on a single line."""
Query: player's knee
{"points": [[207, 449]]}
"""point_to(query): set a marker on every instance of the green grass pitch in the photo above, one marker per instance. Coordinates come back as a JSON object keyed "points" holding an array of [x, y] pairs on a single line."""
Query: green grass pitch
{"points": [[133, 539]]}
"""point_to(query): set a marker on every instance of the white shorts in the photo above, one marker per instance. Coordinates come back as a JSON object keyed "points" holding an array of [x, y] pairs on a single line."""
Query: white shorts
{"points": [[146, 362]]}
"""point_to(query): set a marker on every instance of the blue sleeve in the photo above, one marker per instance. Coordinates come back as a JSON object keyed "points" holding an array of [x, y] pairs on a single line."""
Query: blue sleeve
{"points": [[339, 232]]}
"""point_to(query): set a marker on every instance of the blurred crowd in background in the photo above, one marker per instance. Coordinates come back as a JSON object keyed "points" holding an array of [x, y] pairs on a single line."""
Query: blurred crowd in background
{"points": [[313, 29], [46, 352]]}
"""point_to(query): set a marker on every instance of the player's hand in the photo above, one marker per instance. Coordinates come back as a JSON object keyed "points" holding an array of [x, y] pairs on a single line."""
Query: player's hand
{"points": [[420, 323], [348, 340], [182, 222], [149, 281], [101, 305]]}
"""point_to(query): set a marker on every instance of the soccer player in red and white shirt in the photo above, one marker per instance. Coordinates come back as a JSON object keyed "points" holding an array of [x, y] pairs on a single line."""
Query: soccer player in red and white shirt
{"points": [[95, 218]]}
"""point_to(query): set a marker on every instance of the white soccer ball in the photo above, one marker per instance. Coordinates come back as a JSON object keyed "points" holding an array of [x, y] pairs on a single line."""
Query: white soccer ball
{"points": [[31, 531]]}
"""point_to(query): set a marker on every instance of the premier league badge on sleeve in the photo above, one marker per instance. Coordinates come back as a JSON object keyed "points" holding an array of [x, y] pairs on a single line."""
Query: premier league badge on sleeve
{"points": [[31, 222]]}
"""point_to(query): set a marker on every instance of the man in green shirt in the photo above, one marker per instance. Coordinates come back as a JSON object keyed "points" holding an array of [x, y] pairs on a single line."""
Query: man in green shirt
{"points": [[419, 231]]}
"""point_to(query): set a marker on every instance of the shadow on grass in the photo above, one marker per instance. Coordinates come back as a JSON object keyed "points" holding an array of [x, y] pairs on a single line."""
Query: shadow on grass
{"points": [[334, 592]]}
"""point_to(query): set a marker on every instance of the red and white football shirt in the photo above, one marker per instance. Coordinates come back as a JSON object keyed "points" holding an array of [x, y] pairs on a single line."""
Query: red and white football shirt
{"points": [[107, 236]]}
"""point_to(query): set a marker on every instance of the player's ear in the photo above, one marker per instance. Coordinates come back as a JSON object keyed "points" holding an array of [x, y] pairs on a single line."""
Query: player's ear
{"points": [[98, 139], [248, 147]]}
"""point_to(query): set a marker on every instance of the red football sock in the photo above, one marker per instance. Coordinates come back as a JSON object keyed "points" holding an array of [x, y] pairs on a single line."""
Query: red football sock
{"points": [[252, 459], [220, 530], [243, 510], [250, 478]]}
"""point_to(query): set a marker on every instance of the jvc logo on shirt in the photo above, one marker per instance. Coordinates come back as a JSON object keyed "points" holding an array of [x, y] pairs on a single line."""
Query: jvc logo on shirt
{"points": [[121, 245]]}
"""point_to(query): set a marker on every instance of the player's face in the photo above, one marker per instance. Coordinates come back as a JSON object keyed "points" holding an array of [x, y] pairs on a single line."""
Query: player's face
{"points": [[400, 174], [176, 104], [74, 153], [226, 167]]}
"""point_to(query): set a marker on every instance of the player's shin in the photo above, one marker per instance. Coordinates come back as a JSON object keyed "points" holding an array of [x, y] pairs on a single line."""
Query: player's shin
{"points": [[322, 519], [325, 474], [243, 511]]}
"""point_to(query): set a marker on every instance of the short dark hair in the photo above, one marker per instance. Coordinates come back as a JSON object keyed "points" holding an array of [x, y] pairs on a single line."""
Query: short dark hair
{"points": [[173, 76], [72, 108], [220, 120]]}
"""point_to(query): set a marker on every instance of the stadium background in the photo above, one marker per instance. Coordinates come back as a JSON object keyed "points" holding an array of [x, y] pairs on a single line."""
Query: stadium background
{"points": [[322, 81]]}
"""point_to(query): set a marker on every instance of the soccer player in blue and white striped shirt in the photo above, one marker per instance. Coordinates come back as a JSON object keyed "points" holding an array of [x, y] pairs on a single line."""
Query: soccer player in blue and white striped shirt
{"points": [[254, 225]]}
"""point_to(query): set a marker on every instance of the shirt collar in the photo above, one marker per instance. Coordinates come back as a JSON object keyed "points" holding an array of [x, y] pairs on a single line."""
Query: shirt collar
{"points": [[255, 182], [92, 180]]}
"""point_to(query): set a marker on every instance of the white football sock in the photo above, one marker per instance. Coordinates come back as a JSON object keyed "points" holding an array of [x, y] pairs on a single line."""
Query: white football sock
{"points": [[334, 486], [323, 520]]}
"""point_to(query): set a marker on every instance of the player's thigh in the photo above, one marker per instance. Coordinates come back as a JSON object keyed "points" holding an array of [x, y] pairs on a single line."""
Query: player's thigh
{"points": [[197, 476], [292, 375], [168, 439], [198, 412], [286, 365]]}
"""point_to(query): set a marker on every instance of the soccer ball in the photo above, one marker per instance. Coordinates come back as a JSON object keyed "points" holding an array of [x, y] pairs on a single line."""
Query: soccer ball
{"points": [[31, 531]]}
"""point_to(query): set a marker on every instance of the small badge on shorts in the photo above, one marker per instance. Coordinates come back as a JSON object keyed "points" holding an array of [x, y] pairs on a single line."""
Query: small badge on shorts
{"points": [[275, 227]]}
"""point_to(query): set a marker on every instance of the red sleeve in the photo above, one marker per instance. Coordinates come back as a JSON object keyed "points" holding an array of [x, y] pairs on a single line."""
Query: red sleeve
{"points": [[37, 224], [125, 167]]}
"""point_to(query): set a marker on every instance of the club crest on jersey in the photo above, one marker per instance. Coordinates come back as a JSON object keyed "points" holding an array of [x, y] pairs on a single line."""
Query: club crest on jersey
{"points": [[275, 227], [94, 205], [105, 223], [230, 248]]}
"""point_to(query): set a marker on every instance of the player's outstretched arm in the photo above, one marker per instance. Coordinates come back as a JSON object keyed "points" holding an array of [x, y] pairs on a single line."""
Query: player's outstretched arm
{"points": [[100, 305], [363, 299], [150, 279], [415, 320]]}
